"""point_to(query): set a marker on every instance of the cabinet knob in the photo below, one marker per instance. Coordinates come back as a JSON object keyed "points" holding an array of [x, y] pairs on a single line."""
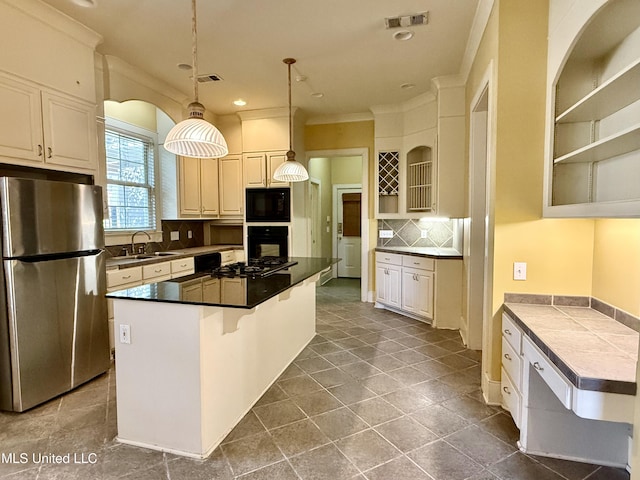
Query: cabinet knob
{"points": [[507, 331], [537, 366], [507, 356], [506, 390]]}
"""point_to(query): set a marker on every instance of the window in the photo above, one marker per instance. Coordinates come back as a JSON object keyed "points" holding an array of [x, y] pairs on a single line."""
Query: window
{"points": [[130, 181]]}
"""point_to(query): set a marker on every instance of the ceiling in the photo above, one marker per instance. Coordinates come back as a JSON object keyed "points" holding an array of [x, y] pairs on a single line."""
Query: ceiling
{"points": [[342, 48]]}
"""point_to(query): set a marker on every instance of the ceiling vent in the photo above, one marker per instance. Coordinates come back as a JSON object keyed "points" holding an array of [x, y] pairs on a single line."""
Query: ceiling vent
{"points": [[404, 21], [209, 77]]}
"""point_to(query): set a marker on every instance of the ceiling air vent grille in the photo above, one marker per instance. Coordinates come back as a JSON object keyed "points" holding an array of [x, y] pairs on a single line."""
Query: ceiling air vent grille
{"points": [[209, 77], [412, 20]]}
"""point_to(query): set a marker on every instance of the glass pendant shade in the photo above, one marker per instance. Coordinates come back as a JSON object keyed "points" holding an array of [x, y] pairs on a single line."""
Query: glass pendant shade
{"points": [[291, 170], [197, 138]]}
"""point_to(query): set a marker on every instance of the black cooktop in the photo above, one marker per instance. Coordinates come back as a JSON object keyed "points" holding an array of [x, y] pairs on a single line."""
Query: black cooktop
{"points": [[255, 267]]}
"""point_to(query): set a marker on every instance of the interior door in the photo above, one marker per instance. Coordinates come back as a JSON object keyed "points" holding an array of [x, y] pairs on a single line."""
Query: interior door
{"points": [[348, 234], [316, 234]]}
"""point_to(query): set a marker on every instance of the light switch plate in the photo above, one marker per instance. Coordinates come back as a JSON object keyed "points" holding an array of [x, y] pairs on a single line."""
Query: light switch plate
{"points": [[189, 234], [175, 235], [125, 334], [385, 233], [519, 270], [423, 234]]}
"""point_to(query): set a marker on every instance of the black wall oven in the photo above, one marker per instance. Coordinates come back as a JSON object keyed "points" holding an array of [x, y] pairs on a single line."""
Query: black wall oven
{"points": [[268, 241], [268, 205]]}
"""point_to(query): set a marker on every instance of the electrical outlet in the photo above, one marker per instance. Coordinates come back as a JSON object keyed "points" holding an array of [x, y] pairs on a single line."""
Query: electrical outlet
{"points": [[423, 234], [519, 270], [189, 234], [175, 235], [125, 334], [385, 233]]}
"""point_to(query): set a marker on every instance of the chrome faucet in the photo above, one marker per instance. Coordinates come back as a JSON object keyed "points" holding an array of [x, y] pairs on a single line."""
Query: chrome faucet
{"points": [[133, 245]]}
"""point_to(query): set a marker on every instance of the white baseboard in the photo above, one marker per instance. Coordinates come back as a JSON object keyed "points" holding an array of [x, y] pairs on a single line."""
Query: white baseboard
{"points": [[491, 390]]}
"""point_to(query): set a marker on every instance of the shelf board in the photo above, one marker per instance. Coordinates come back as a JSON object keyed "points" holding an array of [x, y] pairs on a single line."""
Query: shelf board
{"points": [[608, 98], [622, 142]]}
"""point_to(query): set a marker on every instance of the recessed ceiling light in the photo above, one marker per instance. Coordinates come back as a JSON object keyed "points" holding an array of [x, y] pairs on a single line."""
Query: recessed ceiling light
{"points": [[184, 66], [403, 35], [407, 86], [86, 3], [239, 103], [317, 95]]}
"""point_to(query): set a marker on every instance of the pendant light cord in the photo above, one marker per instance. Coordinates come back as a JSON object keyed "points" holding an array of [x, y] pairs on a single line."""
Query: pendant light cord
{"points": [[194, 50], [289, 62]]}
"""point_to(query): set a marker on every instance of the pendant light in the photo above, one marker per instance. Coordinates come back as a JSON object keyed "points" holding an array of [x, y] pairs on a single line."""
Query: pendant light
{"points": [[290, 170], [195, 137]]}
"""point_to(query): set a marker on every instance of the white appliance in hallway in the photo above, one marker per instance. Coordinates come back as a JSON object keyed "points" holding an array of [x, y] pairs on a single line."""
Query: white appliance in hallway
{"points": [[53, 315], [348, 231]]}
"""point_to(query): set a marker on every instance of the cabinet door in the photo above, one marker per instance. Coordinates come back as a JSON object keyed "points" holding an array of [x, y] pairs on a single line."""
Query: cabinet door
{"points": [[394, 285], [255, 170], [232, 291], [209, 186], [192, 293], [381, 283], [231, 189], [70, 132], [20, 120], [417, 292], [189, 186], [211, 290], [274, 160]]}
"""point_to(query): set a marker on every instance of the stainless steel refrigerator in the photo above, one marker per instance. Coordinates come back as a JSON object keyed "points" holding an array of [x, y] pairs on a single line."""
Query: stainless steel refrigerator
{"points": [[53, 314]]}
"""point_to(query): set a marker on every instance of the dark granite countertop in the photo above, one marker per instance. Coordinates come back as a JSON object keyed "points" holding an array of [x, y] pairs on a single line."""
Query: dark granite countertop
{"points": [[247, 292], [432, 252], [592, 350]]}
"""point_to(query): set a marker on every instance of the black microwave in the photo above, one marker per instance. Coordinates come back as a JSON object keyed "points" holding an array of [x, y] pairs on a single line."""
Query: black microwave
{"points": [[268, 205]]}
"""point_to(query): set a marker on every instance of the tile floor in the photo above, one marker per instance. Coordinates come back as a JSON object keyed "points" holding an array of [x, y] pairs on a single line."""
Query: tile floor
{"points": [[374, 396]]}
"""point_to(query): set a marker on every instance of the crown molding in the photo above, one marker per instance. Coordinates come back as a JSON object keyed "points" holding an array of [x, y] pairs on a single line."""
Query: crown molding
{"points": [[342, 118]]}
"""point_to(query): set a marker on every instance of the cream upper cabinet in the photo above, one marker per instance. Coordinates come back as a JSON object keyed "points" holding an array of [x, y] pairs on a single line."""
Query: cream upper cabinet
{"points": [[211, 187], [231, 186], [199, 186], [259, 168], [593, 126], [420, 155], [44, 128]]}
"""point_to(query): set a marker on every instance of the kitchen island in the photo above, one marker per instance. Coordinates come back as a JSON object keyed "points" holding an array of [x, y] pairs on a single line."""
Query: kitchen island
{"points": [[194, 354]]}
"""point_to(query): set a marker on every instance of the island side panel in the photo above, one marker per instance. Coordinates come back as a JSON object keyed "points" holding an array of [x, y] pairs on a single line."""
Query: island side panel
{"points": [[158, 376], [244, 352]]}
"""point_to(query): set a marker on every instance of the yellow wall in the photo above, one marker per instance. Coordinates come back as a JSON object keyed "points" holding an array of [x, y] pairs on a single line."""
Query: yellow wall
{"points": [[616, 263], [559, 253], [141, 114], [320, 168], [347, 170]]}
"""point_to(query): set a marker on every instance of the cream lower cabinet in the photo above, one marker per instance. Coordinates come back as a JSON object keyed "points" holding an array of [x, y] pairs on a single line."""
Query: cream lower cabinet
{"points": [[423, 288], [211, 187], [418, 285], [45, 128], [389, 279]]}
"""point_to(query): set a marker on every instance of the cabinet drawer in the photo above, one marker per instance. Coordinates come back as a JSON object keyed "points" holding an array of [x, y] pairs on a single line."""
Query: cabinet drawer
{"points": [[391, 258], [511, 398], [156, 270], [512, 363], [122, 277], [512, 333], [423, 263], [227, 257], [549, 373], [182, 266]]}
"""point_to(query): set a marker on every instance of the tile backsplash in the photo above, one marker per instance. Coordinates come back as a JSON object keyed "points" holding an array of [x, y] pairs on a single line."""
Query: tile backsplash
{"points": [[181, 226], [408, 233]]}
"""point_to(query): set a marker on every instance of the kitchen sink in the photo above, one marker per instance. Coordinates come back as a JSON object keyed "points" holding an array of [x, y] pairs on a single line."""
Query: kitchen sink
{"points": [[153, 255]]}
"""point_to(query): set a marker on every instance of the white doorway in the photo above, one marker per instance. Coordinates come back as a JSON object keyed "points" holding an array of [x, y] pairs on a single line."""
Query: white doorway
{"points": [[328, 221], [348, 236]]}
